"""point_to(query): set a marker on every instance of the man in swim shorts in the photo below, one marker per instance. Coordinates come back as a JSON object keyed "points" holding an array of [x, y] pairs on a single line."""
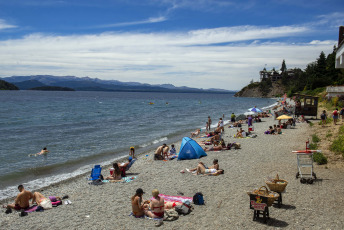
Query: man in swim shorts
{"points": [[22, 199], [159, 152]]}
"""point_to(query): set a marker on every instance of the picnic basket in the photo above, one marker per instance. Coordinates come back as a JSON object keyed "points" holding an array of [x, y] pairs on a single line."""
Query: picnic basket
{"points": [[277, 184], [264, 191]]}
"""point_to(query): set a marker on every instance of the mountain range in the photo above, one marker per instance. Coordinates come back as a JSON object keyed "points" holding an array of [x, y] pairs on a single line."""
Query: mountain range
{"points": [[95, 84]]}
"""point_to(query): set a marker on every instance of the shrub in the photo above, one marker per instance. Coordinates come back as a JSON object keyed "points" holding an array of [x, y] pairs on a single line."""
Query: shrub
{"points": [[334, 101], [313, 146], [315, 138], [319, 158], [337, 145], [341, 130], [311, 124]]}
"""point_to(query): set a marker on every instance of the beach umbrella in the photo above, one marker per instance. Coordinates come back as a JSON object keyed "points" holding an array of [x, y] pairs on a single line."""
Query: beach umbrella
{"points": [[283, 117], [256, 110], [249, 113]]}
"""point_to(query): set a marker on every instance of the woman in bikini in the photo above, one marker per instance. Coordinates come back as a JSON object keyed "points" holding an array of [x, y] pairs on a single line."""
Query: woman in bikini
{"points": [[157, 206], [116, 174], [138, 204], [201, 169]]}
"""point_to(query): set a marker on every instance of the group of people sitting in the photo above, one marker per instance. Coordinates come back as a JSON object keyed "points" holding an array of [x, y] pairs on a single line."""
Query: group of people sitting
{"points": [[153, 208], [119, 170], [274, 130], [164, 152], [22, 200]]}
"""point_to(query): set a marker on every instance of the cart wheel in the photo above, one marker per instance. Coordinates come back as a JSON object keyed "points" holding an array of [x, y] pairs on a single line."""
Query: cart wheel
{"points": [[310, 181], [314, 175], [303, 180], [297, 175]]}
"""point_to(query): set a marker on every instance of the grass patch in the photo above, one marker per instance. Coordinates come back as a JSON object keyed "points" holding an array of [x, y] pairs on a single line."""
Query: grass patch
{"points": [[313, 146], [341, 130], [311, 124], [315, 138], [320, 158], [337, 145], [329, 134]]}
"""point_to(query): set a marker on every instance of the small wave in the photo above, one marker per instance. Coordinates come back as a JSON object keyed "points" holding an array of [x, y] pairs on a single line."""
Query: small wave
{"points": [[270, 106], [12, 191], [154, 142]]}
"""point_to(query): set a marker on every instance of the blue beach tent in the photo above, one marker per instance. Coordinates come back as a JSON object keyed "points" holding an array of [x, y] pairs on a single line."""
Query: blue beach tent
{"points": [[190, 149]]}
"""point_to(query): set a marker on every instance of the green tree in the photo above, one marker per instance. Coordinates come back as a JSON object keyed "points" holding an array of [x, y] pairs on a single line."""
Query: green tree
{"points": [[283, 67]]}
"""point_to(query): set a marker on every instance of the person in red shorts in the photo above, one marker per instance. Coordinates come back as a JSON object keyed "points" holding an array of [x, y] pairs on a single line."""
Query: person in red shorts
{"points": [[22, 200]]}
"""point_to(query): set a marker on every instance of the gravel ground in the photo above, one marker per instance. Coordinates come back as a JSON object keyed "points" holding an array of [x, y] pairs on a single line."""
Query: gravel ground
{"points": [[316, 206]]}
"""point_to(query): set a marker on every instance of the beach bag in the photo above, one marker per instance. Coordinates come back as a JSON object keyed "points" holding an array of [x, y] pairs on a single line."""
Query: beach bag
{"points": [[97, 182], [171, 215], [198, 199], [183, 209]]}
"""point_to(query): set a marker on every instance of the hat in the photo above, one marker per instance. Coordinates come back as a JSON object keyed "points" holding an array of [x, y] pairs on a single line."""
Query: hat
{"points": [[130, 158], [132, 147], [139, 191]]}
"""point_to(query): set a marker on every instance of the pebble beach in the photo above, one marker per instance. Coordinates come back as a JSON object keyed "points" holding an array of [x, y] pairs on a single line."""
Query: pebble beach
{"points": [[305, 206]]}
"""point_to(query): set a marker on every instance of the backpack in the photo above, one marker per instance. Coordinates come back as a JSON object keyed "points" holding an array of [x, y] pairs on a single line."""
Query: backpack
{"points": [[335, 113], [323, 116], [198, 199], [341, 112]]}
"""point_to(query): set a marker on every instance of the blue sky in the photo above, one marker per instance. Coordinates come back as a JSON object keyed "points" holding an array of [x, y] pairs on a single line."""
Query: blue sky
{"points": [[195, 43]]}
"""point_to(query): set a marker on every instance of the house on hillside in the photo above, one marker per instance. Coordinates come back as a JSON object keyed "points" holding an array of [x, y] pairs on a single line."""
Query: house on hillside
{"points": [[334, 91], [274, 75], [340, 49]]}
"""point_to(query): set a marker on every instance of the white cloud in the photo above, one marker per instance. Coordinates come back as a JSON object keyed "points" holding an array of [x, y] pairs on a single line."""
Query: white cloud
{"points": [[146, 21], [179, 58], [5, 25]]}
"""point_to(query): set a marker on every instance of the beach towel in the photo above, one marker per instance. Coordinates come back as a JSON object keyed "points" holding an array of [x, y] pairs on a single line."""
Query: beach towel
{"points": [[31, 208], [175, 198], [123, 180]]}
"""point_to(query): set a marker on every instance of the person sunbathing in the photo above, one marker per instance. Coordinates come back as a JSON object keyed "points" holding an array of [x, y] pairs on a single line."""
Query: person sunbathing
{"points": [[117, 173], [198, 131], [22, 201], [201, 169], [41, 200], [214, 166]]}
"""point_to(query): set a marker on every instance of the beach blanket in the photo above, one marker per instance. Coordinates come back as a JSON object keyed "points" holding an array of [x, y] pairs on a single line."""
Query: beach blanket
{"points": [[123, 180], [31, 208], [175, 198]]}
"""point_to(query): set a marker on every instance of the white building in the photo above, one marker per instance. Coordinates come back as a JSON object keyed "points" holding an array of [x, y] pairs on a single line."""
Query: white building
{"points": [[333, 91], [340, 49]]}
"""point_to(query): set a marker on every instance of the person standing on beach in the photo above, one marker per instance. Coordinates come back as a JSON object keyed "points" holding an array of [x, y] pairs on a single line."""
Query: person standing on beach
{"points": [[220, 124], [249, 121], [132, 152], [233, 118], [209, 122], [22, 201]]}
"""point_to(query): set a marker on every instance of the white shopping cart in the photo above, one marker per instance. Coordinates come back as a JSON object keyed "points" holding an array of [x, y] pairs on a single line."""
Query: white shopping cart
{"points": [[305, 167]]}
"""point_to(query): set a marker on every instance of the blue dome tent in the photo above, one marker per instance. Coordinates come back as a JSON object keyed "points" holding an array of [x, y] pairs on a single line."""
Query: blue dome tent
{"points": [[190, 149]]}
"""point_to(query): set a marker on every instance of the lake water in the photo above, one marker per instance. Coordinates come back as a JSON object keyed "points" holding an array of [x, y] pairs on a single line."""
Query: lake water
{"points": [[81, 129]]}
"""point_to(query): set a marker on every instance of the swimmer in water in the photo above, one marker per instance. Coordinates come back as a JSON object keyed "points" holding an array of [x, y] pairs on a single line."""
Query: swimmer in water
{"points": [[43, 151]]}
